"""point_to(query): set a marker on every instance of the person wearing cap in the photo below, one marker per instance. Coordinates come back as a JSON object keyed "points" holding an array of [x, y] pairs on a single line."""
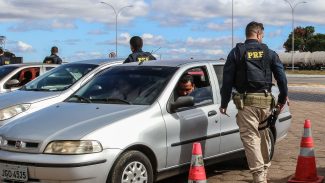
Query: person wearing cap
{"points": [[137, 54], [53, 58]]}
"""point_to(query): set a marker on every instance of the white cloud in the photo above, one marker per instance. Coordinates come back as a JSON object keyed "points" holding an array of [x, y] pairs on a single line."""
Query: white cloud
{"points": [[275, 33], [62, 10], [97, 32], [268, 12], [148, 39], [56, 24], [23, 47], [84, 55], [214, 52], [209, 43]]}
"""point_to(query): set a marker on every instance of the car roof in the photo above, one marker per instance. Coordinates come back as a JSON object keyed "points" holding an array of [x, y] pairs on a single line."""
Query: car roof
{"points": [[176, 62], [97, 61]]}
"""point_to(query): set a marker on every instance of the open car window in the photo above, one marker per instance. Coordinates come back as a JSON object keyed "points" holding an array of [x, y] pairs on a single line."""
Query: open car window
{"points": [[125, 85], [202, 91], [61, 78]]}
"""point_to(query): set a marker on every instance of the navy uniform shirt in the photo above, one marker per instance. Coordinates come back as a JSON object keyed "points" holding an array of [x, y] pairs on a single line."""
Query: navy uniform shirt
{"points": [[139, 56], [230, 70], [52, 59]]}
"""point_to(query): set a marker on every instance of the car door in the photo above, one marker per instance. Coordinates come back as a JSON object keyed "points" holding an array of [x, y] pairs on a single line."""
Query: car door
{"points": [[198, 123], [230, 140]]}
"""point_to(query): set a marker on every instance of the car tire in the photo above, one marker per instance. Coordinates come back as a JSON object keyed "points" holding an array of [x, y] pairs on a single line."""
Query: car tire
{"points": [[272, 144], [131, 166]]}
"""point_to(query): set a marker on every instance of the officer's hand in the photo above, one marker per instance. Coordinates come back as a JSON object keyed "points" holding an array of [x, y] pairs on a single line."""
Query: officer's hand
{"points": [[223, 111]]}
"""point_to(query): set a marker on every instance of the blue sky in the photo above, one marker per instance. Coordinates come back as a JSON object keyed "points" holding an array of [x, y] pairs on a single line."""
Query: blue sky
{"points": [[84, 29]]}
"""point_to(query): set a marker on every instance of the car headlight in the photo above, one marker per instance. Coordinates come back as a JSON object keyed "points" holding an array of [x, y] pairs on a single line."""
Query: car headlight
{"points": [[12, 111], [73, 147]]}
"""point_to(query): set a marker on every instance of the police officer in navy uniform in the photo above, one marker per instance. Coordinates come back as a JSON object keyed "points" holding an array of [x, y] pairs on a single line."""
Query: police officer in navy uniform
{"points": [[248, 70], [137, 54], [53, 58]]}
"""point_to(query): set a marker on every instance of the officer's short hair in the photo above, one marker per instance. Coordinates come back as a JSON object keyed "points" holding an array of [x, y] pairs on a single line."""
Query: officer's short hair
{"points": [[136, 42], [54, 49], [253, 27]]}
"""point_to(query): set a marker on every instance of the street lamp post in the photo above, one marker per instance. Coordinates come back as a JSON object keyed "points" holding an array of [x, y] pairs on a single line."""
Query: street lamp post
{"points": [[293, 6], [116, 15]]}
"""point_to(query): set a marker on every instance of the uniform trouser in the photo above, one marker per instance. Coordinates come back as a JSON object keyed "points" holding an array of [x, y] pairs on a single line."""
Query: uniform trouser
{"points": [[256, 143]]}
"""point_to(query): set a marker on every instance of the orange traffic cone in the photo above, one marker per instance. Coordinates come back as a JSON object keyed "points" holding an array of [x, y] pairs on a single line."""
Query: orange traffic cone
{"points": [[197, 171], [306, 165]]}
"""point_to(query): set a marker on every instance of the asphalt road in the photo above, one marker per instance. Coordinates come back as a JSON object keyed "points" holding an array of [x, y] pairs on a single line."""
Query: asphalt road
{"points": [[305, 79]]}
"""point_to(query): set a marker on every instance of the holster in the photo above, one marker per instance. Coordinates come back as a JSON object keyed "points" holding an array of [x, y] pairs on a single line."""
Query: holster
{"points": [[238, 99]]}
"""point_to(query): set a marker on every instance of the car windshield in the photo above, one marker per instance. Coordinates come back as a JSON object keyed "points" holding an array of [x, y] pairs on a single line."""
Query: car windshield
{"points": [[136, 85], [5, 70], [61, 78]]}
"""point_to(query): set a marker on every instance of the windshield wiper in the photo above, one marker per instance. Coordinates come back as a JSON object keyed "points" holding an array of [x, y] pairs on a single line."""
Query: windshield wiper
{"points": [[113, 100], [35, 89], [81, 98]]}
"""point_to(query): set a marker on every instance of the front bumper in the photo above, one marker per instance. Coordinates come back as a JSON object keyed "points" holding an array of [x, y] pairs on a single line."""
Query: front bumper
{"points": [[63, 168]]}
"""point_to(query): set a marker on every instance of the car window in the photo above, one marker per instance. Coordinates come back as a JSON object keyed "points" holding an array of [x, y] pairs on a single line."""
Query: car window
{"points": [[61, 78], [219, 72], [24, 76], [5, 70], [138, 85], [48, 68], [201, 88]]}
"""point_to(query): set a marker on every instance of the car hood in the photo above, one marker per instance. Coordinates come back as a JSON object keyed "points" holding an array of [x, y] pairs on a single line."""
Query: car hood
{"points": [[67, 121], [21, 96]]}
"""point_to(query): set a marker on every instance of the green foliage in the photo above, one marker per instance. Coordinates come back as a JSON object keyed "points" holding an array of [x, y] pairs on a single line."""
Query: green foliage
{"points": [[306, 40]]}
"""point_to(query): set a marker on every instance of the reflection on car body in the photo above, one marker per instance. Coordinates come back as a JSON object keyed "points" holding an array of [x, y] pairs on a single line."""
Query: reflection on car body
{"points": [[143, 135]]}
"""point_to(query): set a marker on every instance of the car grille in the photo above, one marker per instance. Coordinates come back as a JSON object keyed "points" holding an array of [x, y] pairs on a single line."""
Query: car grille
{"points": [[19, 145]]}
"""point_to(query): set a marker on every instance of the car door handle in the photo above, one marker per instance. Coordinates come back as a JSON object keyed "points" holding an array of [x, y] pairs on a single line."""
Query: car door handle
{"points": [[212, 113]]}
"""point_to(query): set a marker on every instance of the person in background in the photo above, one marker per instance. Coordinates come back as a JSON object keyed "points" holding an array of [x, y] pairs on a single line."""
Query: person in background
{"points": [[112, 55], [53, 58], [137, 54], [1, 57]]}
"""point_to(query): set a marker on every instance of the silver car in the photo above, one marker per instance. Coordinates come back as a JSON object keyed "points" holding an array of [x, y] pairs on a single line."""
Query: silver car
{"points": [[128, 124], [52, 87], [13, 76]]}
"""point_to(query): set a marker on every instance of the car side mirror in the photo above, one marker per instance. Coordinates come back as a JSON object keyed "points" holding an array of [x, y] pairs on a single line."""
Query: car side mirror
{"points": [[12, 83], [184, 101]]}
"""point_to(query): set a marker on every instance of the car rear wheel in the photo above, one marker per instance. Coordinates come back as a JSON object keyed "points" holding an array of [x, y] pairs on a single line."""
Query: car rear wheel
{"points": [[272, 144], [131, 167]]}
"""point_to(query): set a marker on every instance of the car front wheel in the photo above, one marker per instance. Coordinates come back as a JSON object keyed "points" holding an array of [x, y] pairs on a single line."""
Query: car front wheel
{"points": [[131, 167]]}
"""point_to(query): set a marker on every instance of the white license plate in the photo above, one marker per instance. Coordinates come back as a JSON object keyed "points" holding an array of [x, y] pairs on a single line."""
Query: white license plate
{"points": [[13, 172]]}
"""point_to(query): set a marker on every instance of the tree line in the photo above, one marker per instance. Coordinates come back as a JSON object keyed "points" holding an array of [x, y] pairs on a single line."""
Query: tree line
{"points": [[305, 40]]}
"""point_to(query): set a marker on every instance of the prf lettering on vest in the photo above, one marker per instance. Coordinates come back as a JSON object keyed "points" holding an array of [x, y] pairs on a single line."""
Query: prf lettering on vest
{"points": [[142, 59], [255, 54]]}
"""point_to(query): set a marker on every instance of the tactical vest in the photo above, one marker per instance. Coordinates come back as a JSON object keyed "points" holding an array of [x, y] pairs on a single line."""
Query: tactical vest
{"points": [[253, 68], [140, 56]]}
